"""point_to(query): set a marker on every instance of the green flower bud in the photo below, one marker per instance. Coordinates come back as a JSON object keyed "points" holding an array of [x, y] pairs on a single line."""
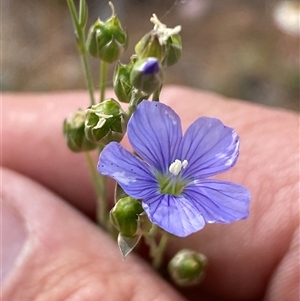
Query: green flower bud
{"points": [[147, 75], [104, 122], [73, 129], [125, 216], [173, 50], [160, 42], [107, 40], [187, 267], [149, 46], [121, 80]]}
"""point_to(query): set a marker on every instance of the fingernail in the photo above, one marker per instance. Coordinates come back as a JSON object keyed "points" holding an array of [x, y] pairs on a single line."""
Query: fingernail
{"points": [[13, 237]]}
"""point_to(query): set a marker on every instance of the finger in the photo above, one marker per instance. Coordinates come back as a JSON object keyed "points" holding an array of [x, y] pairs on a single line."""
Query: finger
{"points": [[246, 252], [34, 144], [51, 252], [35, 122], [244, 256]]}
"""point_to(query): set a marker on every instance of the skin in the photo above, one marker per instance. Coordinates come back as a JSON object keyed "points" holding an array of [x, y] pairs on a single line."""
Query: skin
{"points": [[66, 257]]}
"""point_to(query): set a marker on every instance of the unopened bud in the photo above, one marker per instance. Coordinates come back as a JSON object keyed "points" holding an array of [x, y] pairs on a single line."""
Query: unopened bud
{"points": [[121, 81], [187, 267], [104, 122], [149, 46], [107, 40], [147, 75], [74, 134], [160, 42], [125, 216]]}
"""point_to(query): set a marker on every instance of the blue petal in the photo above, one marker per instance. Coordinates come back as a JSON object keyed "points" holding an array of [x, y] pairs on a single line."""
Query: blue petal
{"points": [[155, 133], [219, 201], [176, 215], [133, 175], [209, 147]]}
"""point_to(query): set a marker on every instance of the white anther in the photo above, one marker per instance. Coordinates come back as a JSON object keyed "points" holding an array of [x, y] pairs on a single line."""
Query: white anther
{"points": [[184, 164], [163, 32], [100, 123], [176, 166]]}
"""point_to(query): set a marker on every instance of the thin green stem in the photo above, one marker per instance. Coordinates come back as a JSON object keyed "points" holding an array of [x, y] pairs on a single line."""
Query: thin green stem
{"points": [[160, 251], [98, 181], [103, 78], [88, 76], [137, 96], [81, 43], [156, 94], [157, 250], [73, 14]]}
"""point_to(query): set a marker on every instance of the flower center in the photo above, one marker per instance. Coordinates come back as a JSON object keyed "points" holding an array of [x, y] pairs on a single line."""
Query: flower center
{"points": [[177, 165], [172, 183]]}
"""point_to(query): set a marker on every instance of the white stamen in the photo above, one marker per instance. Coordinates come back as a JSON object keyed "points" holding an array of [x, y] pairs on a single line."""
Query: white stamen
{"points": [[163, 32], [184, 164], [100, 123], [176, 166]]}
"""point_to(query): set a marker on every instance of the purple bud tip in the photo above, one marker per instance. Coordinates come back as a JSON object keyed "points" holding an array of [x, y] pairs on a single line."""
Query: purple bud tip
{"points": [[151, 66]]}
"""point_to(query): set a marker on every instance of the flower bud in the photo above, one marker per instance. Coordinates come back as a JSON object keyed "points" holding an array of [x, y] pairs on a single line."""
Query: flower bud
{"points": [[160, 42], [125, 216], [147, 75], [107, 40], [121, 80], [74, 134], [149, 46], [104, 122], [173, 50], [187, 267]]}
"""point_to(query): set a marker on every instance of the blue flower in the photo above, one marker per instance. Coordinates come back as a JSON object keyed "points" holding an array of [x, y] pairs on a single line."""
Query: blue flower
{"points": [[170, 172]]}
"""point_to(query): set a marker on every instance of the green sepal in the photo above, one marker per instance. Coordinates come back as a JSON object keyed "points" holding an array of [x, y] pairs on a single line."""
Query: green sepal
{"points": [[105, 122], [107, 40], [73, 129], [173, 50], [121, 82], [127, 244], [149, 46], [125, 216]]}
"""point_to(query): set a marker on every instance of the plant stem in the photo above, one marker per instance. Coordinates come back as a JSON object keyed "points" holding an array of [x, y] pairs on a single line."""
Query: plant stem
{"points": [[157, 250], [81, 43], [88, 77], [160, 251], [98, 181], [137, 96], [103, 76], [155, 96]]}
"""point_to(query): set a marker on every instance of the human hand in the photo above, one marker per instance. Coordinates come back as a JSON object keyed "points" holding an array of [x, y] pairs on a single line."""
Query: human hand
{"points": [[53, 252]]}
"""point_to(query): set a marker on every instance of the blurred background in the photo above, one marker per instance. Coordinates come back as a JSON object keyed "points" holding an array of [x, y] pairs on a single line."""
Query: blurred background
{"points": [[239, 48]]}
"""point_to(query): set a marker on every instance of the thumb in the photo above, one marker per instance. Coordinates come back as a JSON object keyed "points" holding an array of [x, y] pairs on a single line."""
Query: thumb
{"points": [[51, 252]]}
